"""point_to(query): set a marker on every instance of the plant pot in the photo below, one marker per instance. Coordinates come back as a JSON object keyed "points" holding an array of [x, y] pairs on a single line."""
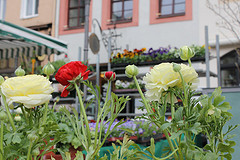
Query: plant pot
{"points": [[72, 151]]}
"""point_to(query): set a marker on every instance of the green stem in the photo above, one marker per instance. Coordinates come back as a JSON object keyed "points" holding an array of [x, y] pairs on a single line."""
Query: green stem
{"points": [[190, 63], [45, 114], [99, 114], [172, 105], [29, 156], [30, 118], [1, 140], [149, 110], [24, 113], [83, 112], [8, 113]]}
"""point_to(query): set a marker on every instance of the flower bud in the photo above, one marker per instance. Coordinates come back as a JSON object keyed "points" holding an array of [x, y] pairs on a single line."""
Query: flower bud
{"points": [[48, 69], [176, 67], [131, 70], [36, 152], [110, 76], [1, 79], [186, 53], [32, 137], [3, 116], [19, 71], [17, 118]]}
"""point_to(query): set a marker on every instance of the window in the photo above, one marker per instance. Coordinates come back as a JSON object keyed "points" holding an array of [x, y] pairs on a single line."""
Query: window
{"points": [[170, 8], [121, 10], [2, 9], [76, 13], [29, 8]]}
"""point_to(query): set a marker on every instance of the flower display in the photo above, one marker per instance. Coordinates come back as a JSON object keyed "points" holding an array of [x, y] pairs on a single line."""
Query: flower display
{"points": [[74, 70], [30, 90], [162, 77]]}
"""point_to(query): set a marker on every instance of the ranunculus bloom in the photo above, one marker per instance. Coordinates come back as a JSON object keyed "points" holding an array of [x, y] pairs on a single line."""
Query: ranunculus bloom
{"points": [[110, 76], [162, 77], [30, 90], [70, 71]]}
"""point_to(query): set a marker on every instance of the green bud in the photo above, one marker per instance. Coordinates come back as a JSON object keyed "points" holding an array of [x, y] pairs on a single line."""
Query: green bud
{"points": [[1, 79], [186, 53], [17, 118], [176, 67], [48, 69], [3, 116], [32, 137], [36, 152], [19, 71], [131, 70]]}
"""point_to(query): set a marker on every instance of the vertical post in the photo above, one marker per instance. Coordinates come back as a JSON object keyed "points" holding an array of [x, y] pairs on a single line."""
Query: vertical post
{"points": [[86, 28], [98, 84], [76, 98], [207, 57], [218, 60]]}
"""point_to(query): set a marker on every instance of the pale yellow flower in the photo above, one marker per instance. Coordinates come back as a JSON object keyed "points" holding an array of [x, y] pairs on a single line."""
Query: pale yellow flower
{"points": [[162, 77], [30, 90]]}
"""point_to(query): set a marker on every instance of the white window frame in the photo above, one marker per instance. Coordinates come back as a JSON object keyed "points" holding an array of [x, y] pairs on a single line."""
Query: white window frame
{"points": [[24, 10]]}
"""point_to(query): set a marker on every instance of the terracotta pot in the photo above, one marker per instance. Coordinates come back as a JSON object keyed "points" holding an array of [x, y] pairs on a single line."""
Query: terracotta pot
{"points": [[72, 151]]}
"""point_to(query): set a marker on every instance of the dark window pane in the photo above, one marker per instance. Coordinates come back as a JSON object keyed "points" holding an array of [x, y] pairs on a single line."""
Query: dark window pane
{"points": [[166, 10], [167, 2], [81, 21], [117, 16], [128, 5], [73, 22], [36, 6], [73, 3], [82, 12], [179, 8], [117, 6], [128, 15], [179, 1], [229, 77], [82, 2], [73, 13]]}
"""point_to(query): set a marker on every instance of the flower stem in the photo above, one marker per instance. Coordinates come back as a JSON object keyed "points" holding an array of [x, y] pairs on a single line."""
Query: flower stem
{"points": [[172, 106], [99, 114], [45, 114], [149, 110], [1, 140], [24, 113], [8, 113], [83, 112], [190, 63], [29, 156]]}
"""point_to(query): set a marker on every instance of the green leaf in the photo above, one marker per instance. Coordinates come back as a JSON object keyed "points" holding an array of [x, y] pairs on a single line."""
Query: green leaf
{"points": [[210, 156], [218, 100], [175, 135], [224, 106], [127, 130], [216, 92], [196, 128], [165, 126], [16, 139], [227, 156], [178, 115]]}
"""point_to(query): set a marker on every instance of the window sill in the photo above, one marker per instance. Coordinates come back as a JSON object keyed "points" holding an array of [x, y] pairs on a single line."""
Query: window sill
{"points": [[28, 17], [73, 28], [170, 16], [120, 22]]}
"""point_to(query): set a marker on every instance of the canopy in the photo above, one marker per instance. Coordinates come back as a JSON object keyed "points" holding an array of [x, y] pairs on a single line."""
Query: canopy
{"points": [[15, 39]]}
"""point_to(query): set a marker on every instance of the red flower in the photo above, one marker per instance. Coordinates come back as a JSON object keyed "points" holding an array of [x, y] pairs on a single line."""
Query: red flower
{"points": [[109, 76], [70, 71]]}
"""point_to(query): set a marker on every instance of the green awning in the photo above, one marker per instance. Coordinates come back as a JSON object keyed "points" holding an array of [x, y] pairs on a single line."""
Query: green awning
{"points": [[15, 39]]}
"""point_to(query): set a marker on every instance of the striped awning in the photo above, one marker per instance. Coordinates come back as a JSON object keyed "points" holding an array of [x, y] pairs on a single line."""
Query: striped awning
{"points": [[15, 40]]}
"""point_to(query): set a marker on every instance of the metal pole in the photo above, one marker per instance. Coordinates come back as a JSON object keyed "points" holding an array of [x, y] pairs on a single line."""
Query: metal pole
{"points": [[86, 28], [218, 60], [98, 84], [76, 98], [207, 57]]}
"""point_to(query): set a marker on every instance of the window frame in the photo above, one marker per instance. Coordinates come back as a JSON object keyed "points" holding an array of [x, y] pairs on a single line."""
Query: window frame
{"points": [[172, 13], [79, 25], [2, 9], [24, 9], [122, 20]]}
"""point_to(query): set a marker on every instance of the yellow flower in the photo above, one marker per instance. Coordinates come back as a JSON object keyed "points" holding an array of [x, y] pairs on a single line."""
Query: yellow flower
{"points": [[162, 77], [30, 90]]}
